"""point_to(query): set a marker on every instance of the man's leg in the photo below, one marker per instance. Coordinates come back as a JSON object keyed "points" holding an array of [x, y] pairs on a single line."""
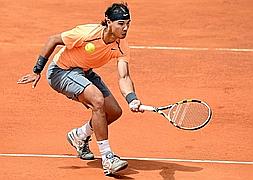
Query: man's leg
{"points": [[93, 98], [112, 109], [104, 111]]}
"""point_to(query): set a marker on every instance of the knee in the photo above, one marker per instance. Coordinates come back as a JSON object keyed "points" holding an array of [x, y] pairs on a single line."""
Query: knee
{"points": [[117, 113], [114, 115], [98, 103]]}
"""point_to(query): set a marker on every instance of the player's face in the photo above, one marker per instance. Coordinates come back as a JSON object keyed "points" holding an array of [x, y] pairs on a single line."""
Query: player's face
{"points": [[120, 27]]}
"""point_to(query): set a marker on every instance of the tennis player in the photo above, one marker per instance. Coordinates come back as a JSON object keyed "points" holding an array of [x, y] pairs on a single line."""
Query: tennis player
{"points": [[71, 73]]}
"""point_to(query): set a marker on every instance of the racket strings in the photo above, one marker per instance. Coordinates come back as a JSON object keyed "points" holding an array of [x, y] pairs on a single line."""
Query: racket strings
{"points": [[189, 115]]}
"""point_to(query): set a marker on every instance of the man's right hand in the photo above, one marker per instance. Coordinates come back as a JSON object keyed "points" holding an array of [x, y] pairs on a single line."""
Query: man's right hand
{"points": [[30, 78]]}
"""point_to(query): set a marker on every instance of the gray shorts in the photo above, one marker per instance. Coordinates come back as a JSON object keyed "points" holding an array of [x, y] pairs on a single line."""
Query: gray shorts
{"points": [[72, 82]]}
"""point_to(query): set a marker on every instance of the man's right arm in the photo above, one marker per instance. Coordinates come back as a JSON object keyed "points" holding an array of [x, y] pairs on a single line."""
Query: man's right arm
{"points": [[46, 51], [50, 45]]}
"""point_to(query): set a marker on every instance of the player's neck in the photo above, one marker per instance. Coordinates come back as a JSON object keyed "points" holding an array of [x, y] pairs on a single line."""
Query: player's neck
{"points": [[108, 37]]}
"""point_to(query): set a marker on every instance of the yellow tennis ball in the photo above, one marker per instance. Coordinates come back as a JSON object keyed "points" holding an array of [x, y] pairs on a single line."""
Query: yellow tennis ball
{"points": [[90, 47]]}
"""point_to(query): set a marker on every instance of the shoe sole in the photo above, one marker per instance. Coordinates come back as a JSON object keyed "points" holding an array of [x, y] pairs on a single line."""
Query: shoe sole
{"points": [[85, 158]]}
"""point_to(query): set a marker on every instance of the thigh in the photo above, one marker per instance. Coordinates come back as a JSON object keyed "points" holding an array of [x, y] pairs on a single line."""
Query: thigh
{"points": [[112, 108], [71, 82], [98, 82]]}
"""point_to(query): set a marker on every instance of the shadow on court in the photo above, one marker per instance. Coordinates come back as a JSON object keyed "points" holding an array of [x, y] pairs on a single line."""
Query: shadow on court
{"points": [[167, 170]]}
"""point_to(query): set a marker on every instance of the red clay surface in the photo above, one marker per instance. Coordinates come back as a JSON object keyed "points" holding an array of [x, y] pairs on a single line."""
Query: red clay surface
{"points": [[36, 121]]}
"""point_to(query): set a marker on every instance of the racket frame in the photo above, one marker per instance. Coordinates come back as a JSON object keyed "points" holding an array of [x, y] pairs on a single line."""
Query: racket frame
{"points": [[161, 108]]}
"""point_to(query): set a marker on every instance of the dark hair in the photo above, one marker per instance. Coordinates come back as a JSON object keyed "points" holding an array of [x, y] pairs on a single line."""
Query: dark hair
{"points": [[116, 11]]}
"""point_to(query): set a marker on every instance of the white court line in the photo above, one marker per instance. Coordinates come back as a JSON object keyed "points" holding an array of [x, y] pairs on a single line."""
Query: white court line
{"points": [[134, 158], [172, 48], [192, 48]]}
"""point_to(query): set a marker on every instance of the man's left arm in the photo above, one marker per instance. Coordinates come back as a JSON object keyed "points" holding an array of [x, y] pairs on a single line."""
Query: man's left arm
{"points": [[127, 87]]}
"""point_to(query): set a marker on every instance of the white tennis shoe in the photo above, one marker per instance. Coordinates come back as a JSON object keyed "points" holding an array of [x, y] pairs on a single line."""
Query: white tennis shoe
{"points": [[113, 164], [81, 145]]}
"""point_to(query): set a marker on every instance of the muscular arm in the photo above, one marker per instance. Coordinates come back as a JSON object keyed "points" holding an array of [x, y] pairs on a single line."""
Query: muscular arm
{"points": [[46, 51], [127, 87], [50, 45], [125, 83]]}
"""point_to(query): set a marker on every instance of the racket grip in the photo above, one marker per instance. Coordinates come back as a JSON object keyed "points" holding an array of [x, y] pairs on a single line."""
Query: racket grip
{"points": [[146, 108]]}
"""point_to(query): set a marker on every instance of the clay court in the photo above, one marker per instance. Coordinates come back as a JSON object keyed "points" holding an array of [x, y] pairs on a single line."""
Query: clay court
{"points": [[179, 49]]}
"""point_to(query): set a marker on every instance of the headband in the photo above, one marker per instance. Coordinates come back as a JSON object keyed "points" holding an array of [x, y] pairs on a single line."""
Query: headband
{"points": [[119, 14]]}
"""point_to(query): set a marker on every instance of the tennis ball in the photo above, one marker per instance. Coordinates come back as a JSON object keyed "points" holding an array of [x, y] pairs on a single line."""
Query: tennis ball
{"points": [[90, 47]]}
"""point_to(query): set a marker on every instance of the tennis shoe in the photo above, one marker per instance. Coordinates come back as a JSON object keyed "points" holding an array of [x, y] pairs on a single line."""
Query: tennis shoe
{"points": [[81, 145], [113, 164]]}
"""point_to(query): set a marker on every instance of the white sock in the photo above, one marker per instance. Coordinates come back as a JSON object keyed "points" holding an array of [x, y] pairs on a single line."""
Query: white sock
{"points": [[104, 147], [85, 131]]}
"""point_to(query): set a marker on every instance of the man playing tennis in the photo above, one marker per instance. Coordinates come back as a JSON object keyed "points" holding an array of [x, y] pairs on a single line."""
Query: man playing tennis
{"points": [[71, 73]]}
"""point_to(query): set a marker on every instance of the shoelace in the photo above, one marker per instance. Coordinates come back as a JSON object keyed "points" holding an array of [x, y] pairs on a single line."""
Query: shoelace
{"points": [[84, 146], [115, 158]]}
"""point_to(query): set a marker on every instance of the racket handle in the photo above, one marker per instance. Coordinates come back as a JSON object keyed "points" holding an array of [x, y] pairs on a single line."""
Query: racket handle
{"points": [[146, 108]]}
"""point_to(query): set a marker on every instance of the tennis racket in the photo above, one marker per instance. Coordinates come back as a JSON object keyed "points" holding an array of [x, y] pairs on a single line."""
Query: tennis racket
{"points": [[188, 114]]}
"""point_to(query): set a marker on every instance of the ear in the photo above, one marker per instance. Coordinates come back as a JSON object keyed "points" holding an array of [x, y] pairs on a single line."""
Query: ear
{"points": [[108, 21]]}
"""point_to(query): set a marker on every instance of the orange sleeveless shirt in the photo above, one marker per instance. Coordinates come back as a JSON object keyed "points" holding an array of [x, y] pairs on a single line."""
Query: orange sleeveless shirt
{"points": [[73, 54]]}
